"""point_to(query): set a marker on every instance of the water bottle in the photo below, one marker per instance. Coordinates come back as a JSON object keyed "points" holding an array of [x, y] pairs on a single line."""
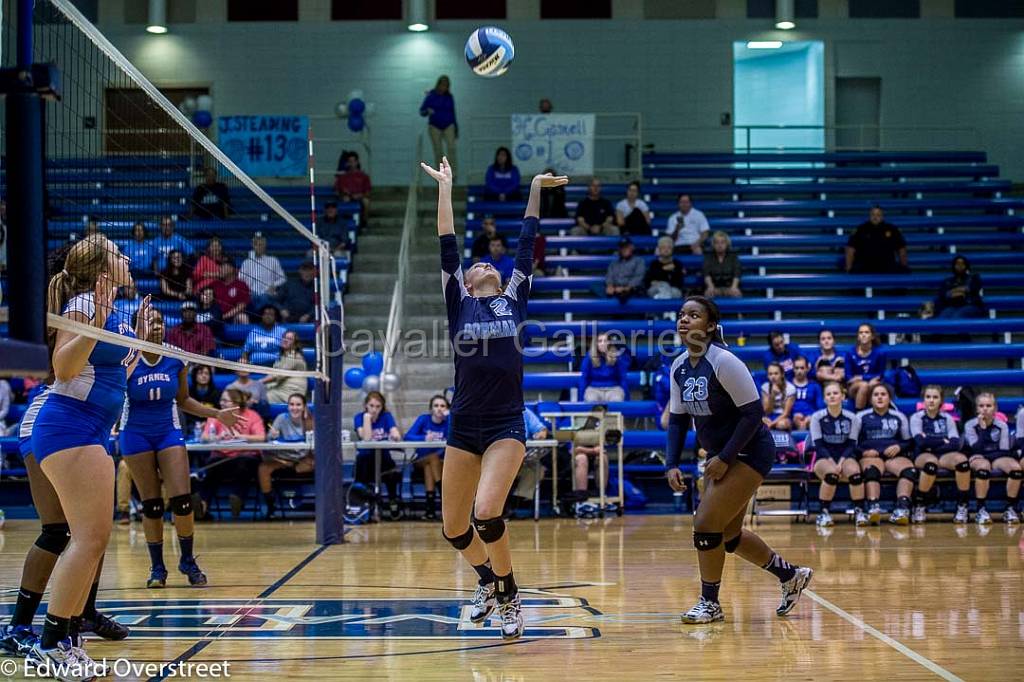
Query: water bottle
{"points": [[741, 340]]}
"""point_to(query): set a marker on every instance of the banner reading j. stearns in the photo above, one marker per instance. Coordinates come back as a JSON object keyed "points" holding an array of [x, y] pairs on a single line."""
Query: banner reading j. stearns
{"points": [[268, 146], [564, 142]]}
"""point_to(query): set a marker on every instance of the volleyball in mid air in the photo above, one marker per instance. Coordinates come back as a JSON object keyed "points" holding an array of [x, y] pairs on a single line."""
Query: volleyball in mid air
{"points": [[489, 51]]}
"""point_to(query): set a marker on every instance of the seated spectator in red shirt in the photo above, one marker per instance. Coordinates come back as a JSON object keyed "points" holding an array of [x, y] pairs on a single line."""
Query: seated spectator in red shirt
{"points": [[192, 336], [352, 184], [207, 269], [231, 294]]}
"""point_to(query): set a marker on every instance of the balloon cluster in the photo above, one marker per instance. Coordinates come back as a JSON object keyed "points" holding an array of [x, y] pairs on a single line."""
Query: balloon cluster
{"points": [[369, 377], [355, 109], [199, 108]]}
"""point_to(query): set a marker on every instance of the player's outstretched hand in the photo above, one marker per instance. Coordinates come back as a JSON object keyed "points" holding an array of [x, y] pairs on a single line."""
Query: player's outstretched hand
{"points": [[144, 318], [546, 180], [228, 417], [715, 468], [675, 480], [443, 173]]}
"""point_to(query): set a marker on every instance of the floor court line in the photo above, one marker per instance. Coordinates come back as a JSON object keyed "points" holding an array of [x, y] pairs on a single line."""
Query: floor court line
{"points": [[881, 636]]}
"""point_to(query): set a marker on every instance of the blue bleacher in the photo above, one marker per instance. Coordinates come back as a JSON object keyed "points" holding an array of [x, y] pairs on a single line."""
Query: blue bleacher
{"points": [[663, 159], [895, 172]]}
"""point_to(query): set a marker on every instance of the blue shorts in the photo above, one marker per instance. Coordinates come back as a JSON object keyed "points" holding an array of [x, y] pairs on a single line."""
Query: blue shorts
{"points": [[476, 434], [25, 447], [136, 442], [65, 423], [759, 453]]}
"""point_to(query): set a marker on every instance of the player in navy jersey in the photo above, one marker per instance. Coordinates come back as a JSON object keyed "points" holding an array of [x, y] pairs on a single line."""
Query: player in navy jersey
{"points": [[938, 445], [834, 449], [808, 394], [712, 388], [429, 427], [864, 365], [987, 438], [72, 428], [487, 436], [884, 445], [152, 444]]}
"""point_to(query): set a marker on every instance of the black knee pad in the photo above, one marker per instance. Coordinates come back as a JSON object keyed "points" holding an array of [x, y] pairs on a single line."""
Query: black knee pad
{"points": [[931, 468], [872, 475], [831, 479], [54, 537], [1016, 475], [181, 505], [153, 508], [490, 530], [705, 541], [856, 479], [732, 543], [910, 474], [963, 466], [982, 474], [460, 542]]}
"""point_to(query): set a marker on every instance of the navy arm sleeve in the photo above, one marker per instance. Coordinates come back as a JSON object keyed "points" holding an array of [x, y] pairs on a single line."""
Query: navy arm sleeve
{"points": [[748, 424], [678, 426]]}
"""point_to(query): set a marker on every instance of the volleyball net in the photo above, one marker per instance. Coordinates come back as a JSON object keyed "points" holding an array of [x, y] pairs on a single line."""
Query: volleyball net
{"points": [[237, 281]]}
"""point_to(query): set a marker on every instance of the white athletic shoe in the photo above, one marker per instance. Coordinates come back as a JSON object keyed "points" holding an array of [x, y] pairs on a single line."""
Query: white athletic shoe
{"points": [[982, 517], [961, 515], [919, 514], [512, 622], [483, 603], [703, 612], [1011, 516], [65, 662], [875, 514], [793, 588], [860, 519], [900, 516], [824, 519]]}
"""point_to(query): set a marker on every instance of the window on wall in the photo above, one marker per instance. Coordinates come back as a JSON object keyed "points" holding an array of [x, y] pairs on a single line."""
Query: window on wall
{"points": [[765, 9], [575, 9], [885, 9], [989, 9], [366, 10], [263, 10], [471, 9]]}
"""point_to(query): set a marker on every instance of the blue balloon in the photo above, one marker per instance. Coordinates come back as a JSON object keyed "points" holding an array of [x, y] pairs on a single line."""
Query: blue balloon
{"points": [[373, 363], [356, 106], [202, 119], [354, 377], [356, 123]]}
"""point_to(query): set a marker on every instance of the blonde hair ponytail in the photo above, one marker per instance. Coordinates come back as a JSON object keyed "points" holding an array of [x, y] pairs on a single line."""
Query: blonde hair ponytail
{"points": [[84, 263]]}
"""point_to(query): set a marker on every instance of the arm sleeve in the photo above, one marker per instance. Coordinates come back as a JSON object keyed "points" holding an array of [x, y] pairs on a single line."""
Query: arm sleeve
{"points": [[815, 428], [451, 277], [489, 181], [425, 105], [516, 179], [1004, 438], [522, 275], [533, 423], [637, 276], [971, 434], [736, 380], [1020, 428], [905, 442], [678, 425], [878, 364]]}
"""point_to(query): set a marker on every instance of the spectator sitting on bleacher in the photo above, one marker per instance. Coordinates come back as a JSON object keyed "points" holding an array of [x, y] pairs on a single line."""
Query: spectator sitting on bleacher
{"points": [[231, 294], [255, 391], [876, 247], [139, 249], [664, 276], [632, 214], [781, 353], [828, 364], [291, 357], [262, 273], [552, 200], [168, 240], [207, 268], [594, 213], [987, 438], [501, 182], [498, 257], [189, 335], [176, 278], [482, 242], [263, 342], [722, 268], [865, 365], [430, 428], [960, 293], [625, 276], [332, 229], [239, 470], [603, 373], [288, 427], [377, 424], [352, 184], [201, 389], [297, 296], [208, 312], [211, 200], [777, 397], [688, 227], [808, 394]]}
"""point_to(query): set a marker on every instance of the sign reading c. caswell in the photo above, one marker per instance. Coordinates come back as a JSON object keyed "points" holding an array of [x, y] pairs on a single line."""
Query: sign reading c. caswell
{"points": [[564, 142]]}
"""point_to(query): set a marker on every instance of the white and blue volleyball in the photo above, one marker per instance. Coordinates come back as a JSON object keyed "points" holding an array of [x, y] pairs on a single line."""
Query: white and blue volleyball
{"points": [[489, 51]]}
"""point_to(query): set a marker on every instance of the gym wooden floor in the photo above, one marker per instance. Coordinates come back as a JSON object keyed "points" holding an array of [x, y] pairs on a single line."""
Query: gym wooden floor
{"points": [[602, 596]]}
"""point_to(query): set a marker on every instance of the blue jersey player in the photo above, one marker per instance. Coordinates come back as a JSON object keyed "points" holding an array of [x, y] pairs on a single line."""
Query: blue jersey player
{"points": [[152, 444], [713, 390], [487, 435], [938, 445]]}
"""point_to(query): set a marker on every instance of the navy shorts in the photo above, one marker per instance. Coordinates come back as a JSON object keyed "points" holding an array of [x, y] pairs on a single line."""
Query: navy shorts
{"points": [[476, 434], [137, 442], [759, 453]]}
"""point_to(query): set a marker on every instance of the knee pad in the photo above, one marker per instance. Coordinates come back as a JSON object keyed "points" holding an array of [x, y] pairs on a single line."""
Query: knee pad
{"points": [[460, 542], [872, 475], [831, 479], [963, 466], [733, 543], [856, 479], [982, 474], [54, 537], [910, 474], [153, 508], [181, 505], [490, 530], [705, 541], [1016, 475], [930, 468]]}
